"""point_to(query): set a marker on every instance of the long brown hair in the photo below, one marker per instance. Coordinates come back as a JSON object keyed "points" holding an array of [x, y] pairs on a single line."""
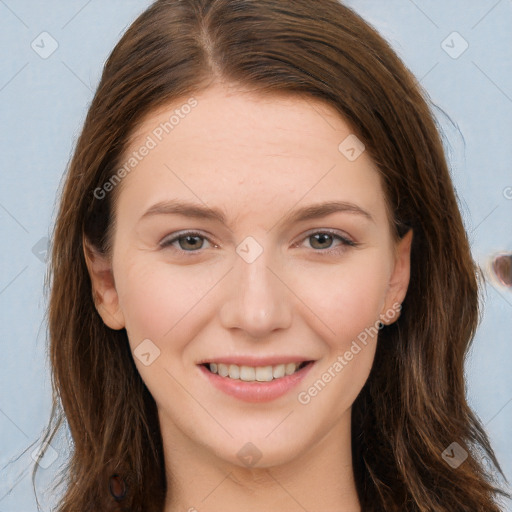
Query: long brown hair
{"points": [[413, 405]]}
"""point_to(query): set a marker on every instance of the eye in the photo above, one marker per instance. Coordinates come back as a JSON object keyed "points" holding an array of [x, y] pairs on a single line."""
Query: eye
{"points": [[188, 241], [323, 241]]}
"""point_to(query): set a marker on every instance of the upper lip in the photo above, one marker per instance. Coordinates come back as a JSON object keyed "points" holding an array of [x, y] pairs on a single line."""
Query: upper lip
{"points": [[256, 361]]}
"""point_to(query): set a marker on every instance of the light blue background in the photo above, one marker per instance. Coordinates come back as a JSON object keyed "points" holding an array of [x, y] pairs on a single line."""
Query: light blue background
{"points": [[43, 103]]}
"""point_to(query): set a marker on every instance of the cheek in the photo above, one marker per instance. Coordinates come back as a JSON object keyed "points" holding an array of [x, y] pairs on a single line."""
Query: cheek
{"points": [[347, 298], [157, 299], [349, 301]]}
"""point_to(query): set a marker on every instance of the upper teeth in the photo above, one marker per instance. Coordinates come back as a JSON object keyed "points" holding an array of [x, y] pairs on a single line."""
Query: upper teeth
{"points": [[251, 373]]}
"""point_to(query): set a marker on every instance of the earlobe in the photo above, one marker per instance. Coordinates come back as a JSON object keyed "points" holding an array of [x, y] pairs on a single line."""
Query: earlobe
{"points": [[399, 280], [104, 291]]}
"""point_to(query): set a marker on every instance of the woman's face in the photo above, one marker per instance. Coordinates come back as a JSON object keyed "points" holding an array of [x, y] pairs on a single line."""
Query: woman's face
{"points": [[253, 234]]}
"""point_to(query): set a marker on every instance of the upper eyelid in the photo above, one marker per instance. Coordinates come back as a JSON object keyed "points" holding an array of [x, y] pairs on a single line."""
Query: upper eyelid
{"points": [[172, 237], [329, 231]]}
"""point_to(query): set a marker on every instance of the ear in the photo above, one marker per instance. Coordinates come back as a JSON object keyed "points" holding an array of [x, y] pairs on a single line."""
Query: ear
{"points": [[104, 291], [399, 280]]}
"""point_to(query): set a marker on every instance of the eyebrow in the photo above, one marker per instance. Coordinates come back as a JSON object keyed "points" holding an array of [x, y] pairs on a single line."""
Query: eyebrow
{"points": [[198, 211]]}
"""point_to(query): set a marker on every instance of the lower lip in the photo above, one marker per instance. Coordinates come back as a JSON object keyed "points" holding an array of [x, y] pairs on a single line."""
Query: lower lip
{"points": [[256, 391]]}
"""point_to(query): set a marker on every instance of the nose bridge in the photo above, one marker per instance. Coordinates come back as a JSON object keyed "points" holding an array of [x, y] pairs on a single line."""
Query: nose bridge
{"points": [[258, 300]]}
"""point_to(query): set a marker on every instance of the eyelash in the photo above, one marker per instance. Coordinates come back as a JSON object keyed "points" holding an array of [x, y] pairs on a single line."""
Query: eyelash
{"points": [[167, 243]]}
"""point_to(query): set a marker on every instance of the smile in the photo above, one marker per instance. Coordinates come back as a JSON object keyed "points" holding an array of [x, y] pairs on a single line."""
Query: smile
{"points": [[254, 373], [255, 383]]}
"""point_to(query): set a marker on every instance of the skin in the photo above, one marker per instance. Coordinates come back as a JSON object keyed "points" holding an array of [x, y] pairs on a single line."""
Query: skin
{"points": [[258, 158]]}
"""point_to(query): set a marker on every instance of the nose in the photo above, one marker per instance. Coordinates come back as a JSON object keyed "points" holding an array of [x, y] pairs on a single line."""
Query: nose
{"points": [[258, 301]]}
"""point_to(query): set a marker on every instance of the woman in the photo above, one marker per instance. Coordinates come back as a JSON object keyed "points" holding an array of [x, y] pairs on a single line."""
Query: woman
{"points": [[207, 353]]}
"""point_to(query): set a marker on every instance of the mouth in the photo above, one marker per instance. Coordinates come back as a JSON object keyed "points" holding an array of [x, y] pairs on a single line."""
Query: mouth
{"points": [[245, 373], [262, 383]]}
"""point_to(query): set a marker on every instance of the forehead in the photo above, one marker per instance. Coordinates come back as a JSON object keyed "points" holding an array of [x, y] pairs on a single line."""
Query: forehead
{"points": [[242, 119], [259, 151]]}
